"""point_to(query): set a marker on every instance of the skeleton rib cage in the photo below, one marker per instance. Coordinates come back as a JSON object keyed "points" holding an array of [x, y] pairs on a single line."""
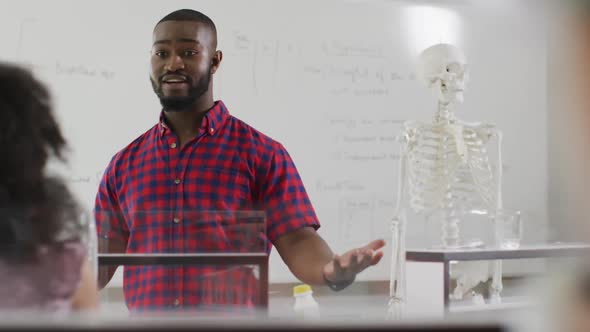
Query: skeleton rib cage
{"points": [[440, 177]]}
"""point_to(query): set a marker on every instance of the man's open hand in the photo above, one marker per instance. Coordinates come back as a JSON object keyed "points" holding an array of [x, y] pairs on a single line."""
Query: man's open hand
{"points": [[345, 267]]}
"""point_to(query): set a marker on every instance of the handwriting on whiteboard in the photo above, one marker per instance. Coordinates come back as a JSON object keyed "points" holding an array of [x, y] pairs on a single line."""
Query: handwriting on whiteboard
{"points": [[33, 36], [355, 216], [352, 68], [82, 70]]}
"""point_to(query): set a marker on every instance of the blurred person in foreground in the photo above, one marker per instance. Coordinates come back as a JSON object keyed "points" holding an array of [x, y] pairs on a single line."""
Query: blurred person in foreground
{"points": [[569, 87], [43, 239]]}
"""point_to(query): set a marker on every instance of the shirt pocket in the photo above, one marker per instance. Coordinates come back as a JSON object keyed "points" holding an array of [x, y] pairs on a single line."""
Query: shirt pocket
{"points": [[224, 189]]}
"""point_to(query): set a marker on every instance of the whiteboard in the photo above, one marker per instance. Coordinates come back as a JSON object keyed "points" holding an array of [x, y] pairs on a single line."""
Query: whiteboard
{"points": [[331, 80]]}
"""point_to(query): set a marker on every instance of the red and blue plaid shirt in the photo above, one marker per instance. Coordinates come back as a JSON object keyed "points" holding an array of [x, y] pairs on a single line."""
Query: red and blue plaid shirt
{"points": [[157, 197]]}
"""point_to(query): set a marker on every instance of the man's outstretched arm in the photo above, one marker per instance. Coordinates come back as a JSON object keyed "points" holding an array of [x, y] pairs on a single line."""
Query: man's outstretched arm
{"points": [[312, 261]]}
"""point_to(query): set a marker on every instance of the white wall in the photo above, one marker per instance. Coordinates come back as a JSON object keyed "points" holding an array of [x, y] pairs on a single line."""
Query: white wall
{"points": [[331, 80]]}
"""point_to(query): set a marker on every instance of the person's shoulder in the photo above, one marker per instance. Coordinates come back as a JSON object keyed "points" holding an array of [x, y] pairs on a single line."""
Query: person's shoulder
{"points": [[131, 149], [254, 137]]}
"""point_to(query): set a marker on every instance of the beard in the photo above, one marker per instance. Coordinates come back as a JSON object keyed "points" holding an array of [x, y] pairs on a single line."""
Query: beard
{"points": [[182, 103]]}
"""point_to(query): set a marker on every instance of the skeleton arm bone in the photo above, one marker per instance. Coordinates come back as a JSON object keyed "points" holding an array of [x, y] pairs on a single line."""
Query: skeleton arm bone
{"points": [[489, 132], [404, 140], [499, 171], [398, 223], [497, 286], [486, 133]]}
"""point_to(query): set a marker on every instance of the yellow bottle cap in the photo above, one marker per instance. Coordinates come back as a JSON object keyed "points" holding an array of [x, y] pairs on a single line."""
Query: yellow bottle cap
{"points": [[300, 289]]}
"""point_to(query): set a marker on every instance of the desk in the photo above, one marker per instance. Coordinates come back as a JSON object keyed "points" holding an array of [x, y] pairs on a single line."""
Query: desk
{"points": [[258, 259], [432, 293], [172, 324]]}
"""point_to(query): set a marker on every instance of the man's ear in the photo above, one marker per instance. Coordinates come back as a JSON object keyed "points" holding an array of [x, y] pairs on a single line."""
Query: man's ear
{"points": [[216, 61]]}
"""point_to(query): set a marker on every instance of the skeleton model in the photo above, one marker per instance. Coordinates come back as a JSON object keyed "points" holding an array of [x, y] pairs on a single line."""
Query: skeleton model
{"points": [[444, 170]]}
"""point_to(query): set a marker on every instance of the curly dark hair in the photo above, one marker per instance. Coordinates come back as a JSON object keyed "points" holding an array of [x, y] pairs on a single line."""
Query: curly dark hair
{"points": [[33, 207]]}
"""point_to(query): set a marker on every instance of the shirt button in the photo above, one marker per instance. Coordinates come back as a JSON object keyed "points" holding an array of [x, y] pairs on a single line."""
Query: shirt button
{"points": [[211, 130], [177, 181], [176, 302], [173, 146], [176, 220]]}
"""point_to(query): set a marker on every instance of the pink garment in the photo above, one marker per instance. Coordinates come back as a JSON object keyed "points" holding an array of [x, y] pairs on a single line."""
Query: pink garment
{"points": [[46, 284]]}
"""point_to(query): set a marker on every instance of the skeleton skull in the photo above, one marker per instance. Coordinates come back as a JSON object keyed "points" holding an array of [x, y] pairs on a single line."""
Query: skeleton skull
{"points": [[443, 68]]}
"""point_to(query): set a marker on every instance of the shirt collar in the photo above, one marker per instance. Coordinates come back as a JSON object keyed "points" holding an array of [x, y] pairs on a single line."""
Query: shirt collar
{"points": [[212, 121]]}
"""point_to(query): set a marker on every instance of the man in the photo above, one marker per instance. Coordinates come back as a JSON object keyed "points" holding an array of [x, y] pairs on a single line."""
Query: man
{"points": [[200, 158]]}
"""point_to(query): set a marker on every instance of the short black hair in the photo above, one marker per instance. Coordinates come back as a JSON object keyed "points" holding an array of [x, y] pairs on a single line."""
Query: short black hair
{"points": [[190, 15]]}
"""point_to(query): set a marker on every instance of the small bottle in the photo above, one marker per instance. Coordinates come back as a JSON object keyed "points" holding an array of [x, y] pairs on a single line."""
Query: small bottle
{"points": [[305, 306]]}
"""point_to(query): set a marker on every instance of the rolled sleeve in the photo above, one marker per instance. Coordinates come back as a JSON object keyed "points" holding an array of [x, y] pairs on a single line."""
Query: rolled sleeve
{"points": [[284, 197], [110, 222]]}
